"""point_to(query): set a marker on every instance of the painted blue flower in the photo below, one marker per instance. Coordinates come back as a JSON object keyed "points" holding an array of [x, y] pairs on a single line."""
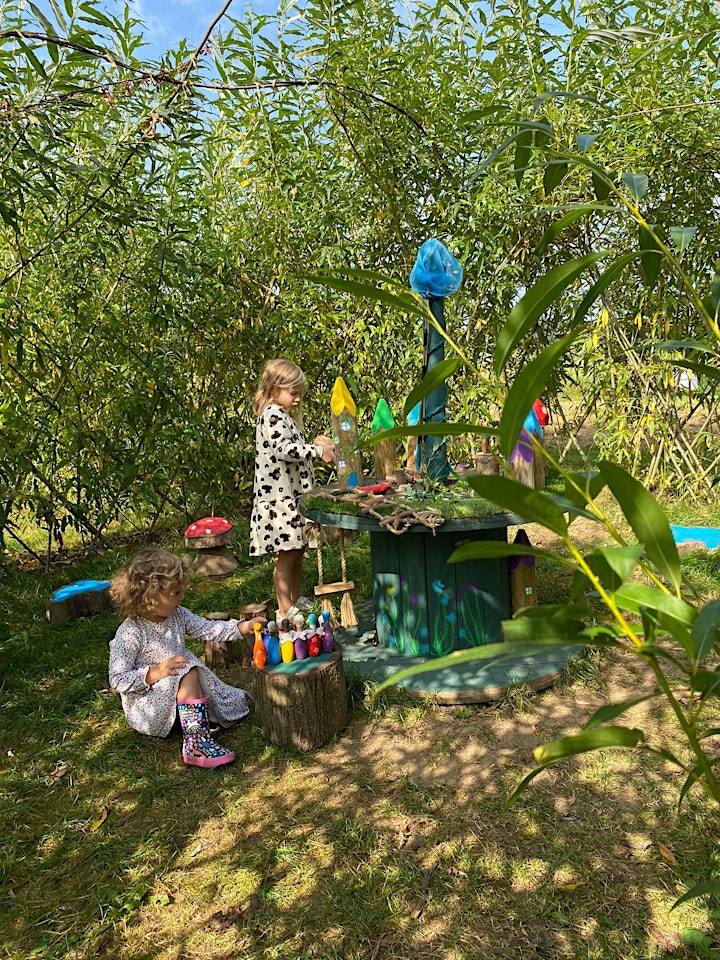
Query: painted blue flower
{"points": [[384, 617], [451, 618], [423, 633], [444, 599], [462, 633], [438, 586]]}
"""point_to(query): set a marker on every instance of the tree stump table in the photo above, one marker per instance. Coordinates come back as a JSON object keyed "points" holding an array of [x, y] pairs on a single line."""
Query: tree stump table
{"points": [[302, 704]]}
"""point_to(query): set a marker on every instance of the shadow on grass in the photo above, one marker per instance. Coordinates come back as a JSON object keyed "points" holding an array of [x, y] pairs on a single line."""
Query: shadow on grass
{"points": [[393, 842]]}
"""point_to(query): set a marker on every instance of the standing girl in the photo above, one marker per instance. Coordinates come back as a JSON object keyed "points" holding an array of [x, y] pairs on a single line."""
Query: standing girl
{"points": [[157, 677], [283, 472]]}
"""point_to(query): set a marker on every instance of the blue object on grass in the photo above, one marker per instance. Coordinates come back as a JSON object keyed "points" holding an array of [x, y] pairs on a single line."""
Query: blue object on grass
{"points": [[80, 586], [710, 536], [436, 272]]}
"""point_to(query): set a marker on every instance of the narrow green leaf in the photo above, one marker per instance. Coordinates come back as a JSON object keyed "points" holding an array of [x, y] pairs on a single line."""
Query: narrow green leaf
{"points": [[706, 628], [491, 549], [682, 236], [494, 652], [701, 369], [554, 174], [42, 19], [650, 256], [715, 291], [706, 682], [681, 345], [614, 710], [535, 302], [637, 184], [559, 631], [614, 565], [600, 738], [647, 519], [527, 386], [431, 381], [472, 116], [406, 303], [488, 161], [699, 890], [58, 15], [517, 498], [430, 430], [602, 185], [523, 152], [523, 783], [582, 487], [556, 228]]}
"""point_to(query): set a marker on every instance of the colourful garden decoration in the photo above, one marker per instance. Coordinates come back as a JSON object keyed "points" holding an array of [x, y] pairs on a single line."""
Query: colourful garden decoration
{"points": [[436, 275], [384, 452], [344, 433]]}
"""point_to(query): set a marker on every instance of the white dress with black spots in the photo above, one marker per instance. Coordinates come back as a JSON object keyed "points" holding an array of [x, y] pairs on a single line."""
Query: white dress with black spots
{"points": [[140, 644], [283, 472]]}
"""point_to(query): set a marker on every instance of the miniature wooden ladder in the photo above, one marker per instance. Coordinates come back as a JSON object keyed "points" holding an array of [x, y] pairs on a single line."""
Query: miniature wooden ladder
{"points": [[344, 586]]}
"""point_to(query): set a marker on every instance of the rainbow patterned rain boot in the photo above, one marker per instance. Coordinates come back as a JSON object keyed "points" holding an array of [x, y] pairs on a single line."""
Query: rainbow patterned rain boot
{"points": [[199, 749]]}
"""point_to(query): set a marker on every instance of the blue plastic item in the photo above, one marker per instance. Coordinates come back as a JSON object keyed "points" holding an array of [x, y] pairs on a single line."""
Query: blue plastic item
{"points": [[710, 536], [80, 586], [436, 272]]}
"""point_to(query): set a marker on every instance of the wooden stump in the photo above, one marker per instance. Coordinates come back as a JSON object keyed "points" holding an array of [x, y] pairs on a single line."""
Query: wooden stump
{"points": [[218, 653], [304, 703], [74, 601]]}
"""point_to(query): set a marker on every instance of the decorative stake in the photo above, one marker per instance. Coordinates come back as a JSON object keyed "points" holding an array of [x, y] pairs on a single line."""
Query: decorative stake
{"points": [[385, 452], [344, 432]]}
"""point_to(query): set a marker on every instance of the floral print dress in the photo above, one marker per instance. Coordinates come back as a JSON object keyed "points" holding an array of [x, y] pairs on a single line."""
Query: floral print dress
{"points": [[283, 472], [140, 644]]}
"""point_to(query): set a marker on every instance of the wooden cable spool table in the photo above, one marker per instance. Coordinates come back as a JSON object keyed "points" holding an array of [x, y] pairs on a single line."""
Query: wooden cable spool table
{"points": [[302, 704]]}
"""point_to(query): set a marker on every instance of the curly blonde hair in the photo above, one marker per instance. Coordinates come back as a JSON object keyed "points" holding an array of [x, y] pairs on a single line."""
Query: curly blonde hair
{"points": [[136, 586], [277, 375]]}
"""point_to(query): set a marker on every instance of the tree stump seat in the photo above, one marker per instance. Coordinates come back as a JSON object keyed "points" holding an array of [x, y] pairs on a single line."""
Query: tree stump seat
{"points": [[302, 704]]}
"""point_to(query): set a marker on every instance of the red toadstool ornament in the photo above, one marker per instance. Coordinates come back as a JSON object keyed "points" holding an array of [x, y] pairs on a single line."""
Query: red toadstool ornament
{"points": [[210, 537]]}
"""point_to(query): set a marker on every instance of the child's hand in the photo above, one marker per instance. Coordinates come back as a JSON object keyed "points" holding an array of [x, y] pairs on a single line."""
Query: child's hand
{"points": [[166, 668], [327, 447], [247, 627]]}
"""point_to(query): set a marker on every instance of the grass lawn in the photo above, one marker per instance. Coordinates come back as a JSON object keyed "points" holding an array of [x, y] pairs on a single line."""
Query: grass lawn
{"points": [[392, 842]]}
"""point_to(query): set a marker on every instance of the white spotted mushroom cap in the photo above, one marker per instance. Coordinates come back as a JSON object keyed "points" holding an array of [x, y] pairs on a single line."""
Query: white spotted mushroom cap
{"points": [[208, 527]]}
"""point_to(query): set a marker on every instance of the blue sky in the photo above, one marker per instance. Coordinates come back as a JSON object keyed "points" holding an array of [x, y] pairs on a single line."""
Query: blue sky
{"points": [[169, 21]]}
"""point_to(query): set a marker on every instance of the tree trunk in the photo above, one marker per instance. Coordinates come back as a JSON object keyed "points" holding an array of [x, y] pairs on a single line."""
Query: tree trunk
{"points": [[304, 703]]}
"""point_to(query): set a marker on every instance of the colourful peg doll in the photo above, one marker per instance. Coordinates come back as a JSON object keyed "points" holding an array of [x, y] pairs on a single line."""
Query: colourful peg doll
{"points": [[328, 640], [287, 647], [300, 641], [259, 651], [314, 639], [272, 644]]}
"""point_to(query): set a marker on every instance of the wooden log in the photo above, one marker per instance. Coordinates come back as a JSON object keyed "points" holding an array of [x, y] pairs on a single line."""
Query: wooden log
{"points": [[302, 704], [523, 581], [219, 653]]}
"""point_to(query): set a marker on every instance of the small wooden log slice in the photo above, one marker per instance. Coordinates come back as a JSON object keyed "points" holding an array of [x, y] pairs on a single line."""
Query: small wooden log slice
{"points": [[302, 704], [219, 653]]}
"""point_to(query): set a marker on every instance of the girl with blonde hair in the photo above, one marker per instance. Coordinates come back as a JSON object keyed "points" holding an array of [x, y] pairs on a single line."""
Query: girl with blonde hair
{"points": [[283, 472]]}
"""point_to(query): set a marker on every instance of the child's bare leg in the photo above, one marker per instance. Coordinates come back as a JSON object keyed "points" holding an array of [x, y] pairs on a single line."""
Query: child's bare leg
{"points": [[297, 574], [284, 579], [189, 687]]}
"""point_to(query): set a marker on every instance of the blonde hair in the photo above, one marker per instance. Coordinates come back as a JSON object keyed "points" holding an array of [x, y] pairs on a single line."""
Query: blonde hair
{"points": [[278, 375], [136, 586]]}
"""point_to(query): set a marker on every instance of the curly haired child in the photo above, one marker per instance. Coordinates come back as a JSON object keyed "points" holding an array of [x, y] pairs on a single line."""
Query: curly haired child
{"points": [[157, 677]]}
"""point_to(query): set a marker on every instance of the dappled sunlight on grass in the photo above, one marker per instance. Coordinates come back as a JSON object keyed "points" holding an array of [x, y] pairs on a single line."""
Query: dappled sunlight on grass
{"points": [[392, 842]]}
